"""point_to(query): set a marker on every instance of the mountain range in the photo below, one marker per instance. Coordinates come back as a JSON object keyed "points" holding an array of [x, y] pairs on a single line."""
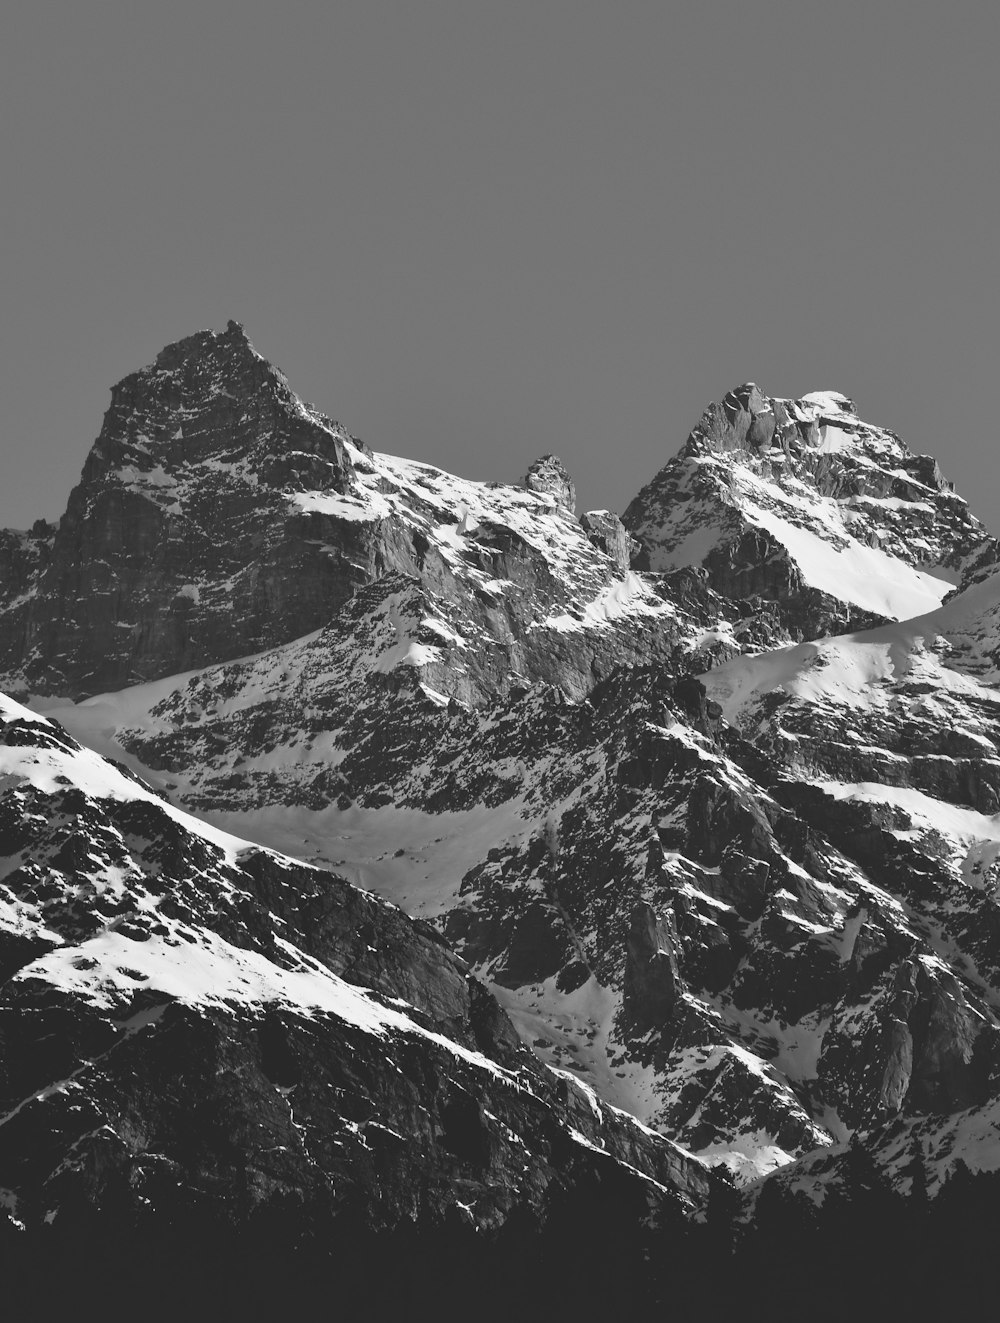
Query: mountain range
{"points": [[412, 855]]}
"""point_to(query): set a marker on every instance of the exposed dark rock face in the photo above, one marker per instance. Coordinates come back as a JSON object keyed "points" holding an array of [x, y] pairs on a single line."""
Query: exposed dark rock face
{"points": [[178, 545], [23, 558], [608, 532], [652, 979]]}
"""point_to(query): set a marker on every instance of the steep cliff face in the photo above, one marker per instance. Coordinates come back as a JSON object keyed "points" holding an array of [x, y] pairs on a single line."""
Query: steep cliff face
{"points": [[178, 545]]}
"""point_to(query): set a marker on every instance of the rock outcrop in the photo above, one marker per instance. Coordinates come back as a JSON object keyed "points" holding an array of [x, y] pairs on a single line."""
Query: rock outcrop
{"points": [[608, 532], [548, 475]]}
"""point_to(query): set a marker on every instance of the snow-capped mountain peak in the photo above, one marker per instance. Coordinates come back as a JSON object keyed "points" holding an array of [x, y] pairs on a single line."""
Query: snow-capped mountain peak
{"points": [[801, 502], [212, 489]]}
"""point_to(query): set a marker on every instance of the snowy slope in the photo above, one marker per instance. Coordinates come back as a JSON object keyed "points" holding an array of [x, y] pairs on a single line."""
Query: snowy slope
{"points": [[953, 648]]}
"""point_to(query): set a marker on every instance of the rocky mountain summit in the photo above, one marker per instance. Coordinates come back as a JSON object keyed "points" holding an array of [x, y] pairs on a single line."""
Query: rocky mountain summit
{"points": [[212, 491], [802, 503], [705, 797]]}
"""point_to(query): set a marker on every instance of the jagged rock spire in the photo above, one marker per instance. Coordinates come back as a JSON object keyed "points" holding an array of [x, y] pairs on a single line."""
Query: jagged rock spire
{"points": [[187, 488], [549, 474]]}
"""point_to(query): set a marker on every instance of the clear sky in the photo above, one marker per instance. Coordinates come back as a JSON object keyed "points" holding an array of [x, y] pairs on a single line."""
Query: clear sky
{"points": [[475, 232]]}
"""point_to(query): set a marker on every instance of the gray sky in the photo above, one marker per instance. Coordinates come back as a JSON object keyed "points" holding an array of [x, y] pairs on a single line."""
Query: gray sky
{"points": [[475, 232]]}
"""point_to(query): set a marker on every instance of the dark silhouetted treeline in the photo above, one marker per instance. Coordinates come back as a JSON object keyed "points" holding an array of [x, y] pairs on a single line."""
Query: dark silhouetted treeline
{"points": [[867, 1254]]}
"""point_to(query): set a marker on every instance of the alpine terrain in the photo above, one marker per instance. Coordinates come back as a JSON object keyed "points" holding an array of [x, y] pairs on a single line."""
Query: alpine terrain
{"points": [[402, 869]]}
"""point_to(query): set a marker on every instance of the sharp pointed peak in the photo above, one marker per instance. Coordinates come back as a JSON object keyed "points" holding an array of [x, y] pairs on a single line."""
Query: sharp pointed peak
{"points": [[233, 341]]}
